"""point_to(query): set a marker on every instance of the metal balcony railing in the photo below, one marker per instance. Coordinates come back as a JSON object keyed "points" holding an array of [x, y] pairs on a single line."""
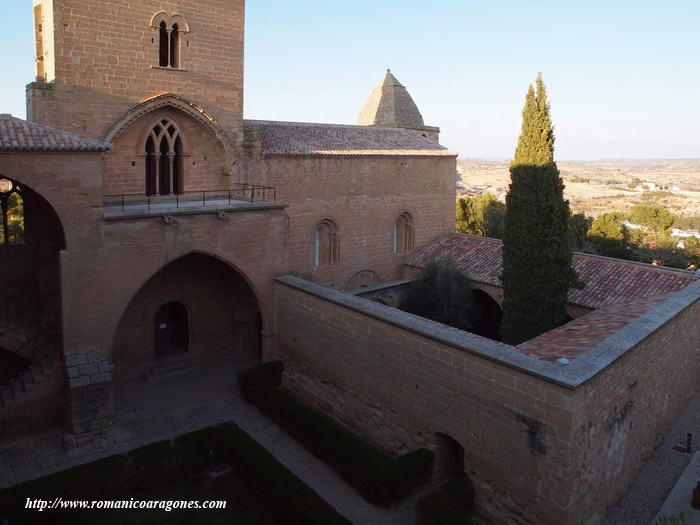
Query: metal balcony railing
{"points": [[188, 199]]}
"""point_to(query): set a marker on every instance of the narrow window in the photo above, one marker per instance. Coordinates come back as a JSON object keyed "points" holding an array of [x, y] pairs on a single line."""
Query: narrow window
{"points": [[12, 211], [175, 46], [164, 45], [404, 233], [164, 166], [326, 244]]}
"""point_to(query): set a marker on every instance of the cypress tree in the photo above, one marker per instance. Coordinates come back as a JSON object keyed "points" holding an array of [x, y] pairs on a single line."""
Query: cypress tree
{"points": [[537, 269]]}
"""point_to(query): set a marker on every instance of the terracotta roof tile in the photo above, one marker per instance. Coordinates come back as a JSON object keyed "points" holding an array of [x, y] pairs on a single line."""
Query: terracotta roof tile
{"points": [[300, 139], [576, 337], [20, 135], [608, 281]]}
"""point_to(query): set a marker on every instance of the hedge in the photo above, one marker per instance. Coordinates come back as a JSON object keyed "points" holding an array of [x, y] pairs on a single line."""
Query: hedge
{"points": [[285, 496], [379, 478], [451, 504]]}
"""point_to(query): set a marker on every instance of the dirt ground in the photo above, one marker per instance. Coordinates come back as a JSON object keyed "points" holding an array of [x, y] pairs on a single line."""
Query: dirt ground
{"points": [[602, 186]]}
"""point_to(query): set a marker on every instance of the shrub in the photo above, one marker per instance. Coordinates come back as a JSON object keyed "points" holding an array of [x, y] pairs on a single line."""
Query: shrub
{"points": [[442, 293], [451, 504], [378, 477], [287, 498]]}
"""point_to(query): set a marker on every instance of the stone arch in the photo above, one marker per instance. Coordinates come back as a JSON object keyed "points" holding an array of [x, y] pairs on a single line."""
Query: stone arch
{"points": [[488, 315], [213, 291], [449, 459], [176, 102], [30, 317], [33, 192], [362, 279], [169, 20]]}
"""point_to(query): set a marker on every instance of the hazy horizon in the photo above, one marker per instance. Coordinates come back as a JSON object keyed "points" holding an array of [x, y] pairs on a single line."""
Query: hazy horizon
{"points": [[622, 78]]}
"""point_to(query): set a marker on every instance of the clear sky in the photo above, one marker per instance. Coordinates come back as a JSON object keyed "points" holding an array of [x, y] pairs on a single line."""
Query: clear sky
{"points": [[623, 75]]}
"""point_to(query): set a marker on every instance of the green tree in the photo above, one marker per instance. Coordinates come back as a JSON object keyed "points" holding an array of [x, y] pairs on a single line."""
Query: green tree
{"points": [[610, 235], [654, 218], [442, 293], [579, 224], [482, 215], [537, 269]]}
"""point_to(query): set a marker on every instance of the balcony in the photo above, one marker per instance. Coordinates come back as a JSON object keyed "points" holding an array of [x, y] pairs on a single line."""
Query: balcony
{"points": [[240, 197]]}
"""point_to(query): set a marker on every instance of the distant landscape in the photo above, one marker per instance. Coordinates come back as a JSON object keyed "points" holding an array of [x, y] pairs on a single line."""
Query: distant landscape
{"points": [[596, 187]]}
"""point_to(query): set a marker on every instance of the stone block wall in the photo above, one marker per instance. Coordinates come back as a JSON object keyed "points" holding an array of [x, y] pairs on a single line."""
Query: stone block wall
{"points": [[545, 442], [105, 58], [91, 397], [364, 195], [627, 410], [203, 164], [398, 380]]}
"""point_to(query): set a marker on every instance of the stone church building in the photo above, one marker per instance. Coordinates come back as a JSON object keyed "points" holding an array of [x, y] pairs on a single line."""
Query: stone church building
{"points": [[163, 231]]}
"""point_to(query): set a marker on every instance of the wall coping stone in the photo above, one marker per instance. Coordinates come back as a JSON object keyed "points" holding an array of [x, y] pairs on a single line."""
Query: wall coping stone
{"points": [[570, 376]]}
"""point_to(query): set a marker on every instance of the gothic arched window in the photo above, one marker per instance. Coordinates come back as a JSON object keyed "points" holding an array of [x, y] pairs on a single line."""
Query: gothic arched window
{"points": [[164, 159], [12, 211], [404, 233], [326, 243]]}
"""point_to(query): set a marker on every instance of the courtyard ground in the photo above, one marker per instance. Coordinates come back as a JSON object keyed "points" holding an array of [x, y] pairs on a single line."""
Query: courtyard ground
{"points": [[652, 485], [147, 413]]}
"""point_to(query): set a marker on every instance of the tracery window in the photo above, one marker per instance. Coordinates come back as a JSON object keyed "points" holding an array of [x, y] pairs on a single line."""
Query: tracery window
{"points": [[404, 233], [326, 243], [164, 164], [12, 210]]}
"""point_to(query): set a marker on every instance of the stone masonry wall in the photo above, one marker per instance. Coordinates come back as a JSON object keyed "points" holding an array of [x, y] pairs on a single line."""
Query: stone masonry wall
{"points": [[203, 162], [397, 381], [106, 60], [364, 195], [538, 452], [627, 410]]}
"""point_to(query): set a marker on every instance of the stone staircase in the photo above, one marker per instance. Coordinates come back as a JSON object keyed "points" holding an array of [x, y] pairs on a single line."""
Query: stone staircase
{"points": [[43, 352]]}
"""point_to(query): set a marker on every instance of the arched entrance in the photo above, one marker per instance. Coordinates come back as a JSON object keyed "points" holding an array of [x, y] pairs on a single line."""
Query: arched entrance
{"points": [[184, 336], [487, 316], [31, 238], [449, 459], [171, 330]]}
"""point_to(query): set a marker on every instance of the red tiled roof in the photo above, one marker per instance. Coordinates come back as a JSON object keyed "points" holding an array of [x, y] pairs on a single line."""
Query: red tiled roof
{"points": [[576, 337], [300, 139], [608, 281], [19, 135]]}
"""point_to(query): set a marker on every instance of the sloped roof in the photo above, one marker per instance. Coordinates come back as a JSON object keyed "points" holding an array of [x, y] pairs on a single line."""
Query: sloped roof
{"points": [[302, 139], [390, 104], [576, 337], [20, 135], [608, 281]]}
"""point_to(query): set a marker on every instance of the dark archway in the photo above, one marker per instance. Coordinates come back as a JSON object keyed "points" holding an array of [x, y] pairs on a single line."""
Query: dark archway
{"points": [[487, 316], [449, 459], [184, 336], [171, 332], [30, 311]]}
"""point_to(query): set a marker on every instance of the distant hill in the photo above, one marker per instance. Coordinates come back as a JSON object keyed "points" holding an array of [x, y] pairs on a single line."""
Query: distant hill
{"points": [[595, 187]]}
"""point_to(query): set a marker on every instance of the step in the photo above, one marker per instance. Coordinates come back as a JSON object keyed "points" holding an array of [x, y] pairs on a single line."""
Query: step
{"points": [[171, 368]]}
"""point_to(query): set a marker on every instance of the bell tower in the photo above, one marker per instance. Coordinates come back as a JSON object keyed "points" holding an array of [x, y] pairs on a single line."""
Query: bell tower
{"points": [[95, 59]]}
